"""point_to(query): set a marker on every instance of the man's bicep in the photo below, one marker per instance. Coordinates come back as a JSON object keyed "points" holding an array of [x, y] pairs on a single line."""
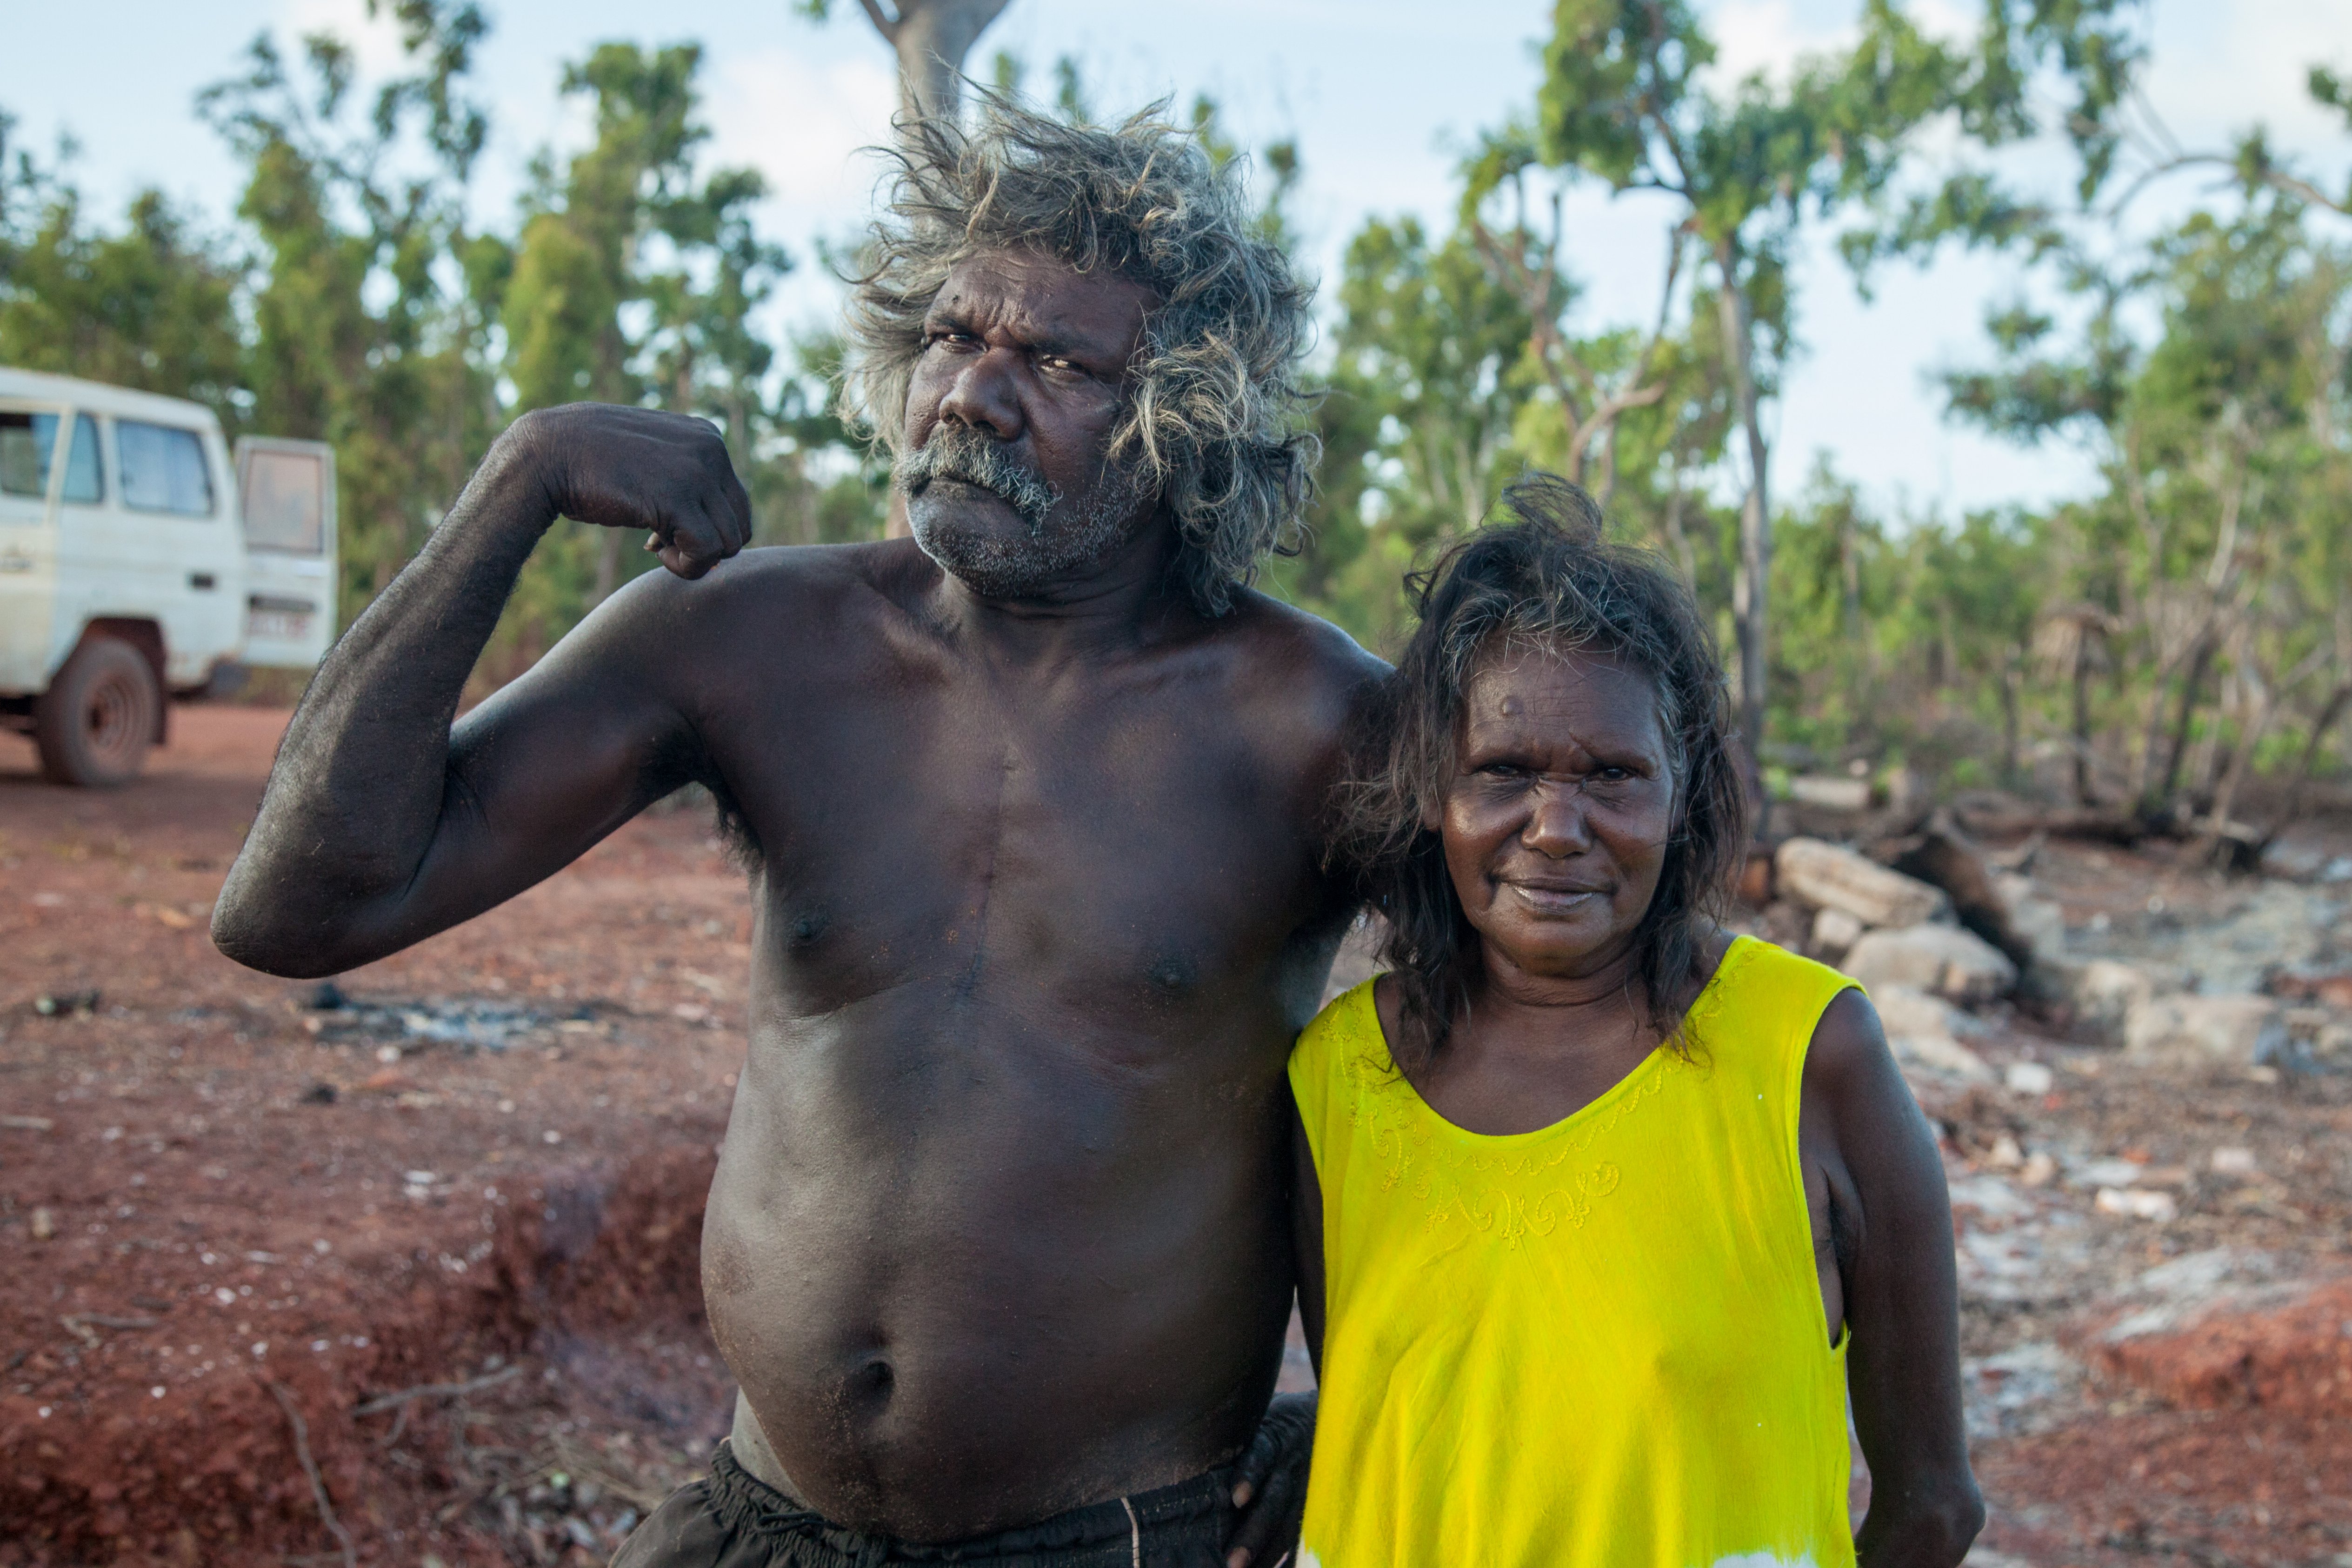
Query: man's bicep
{"points": [[547, 766]]}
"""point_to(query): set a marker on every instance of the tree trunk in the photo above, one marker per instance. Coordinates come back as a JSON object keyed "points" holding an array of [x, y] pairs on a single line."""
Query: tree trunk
{"points": [[2179, 749], [2083, 726], [2337, 700], [2010, 680], [2242, 760], [1751, 585], [931, 38]]}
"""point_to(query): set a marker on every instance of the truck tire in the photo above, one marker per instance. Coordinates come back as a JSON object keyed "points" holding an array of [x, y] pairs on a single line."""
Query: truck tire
{"points": [[94, 724]]}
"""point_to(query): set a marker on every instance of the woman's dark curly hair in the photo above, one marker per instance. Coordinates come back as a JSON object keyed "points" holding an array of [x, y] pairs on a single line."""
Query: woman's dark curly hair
{"points": [[1545, 579]]}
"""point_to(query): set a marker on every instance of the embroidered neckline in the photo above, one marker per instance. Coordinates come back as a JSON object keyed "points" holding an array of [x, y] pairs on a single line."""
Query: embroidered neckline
{"points": [[1506, 1186], [1639, 1081]]}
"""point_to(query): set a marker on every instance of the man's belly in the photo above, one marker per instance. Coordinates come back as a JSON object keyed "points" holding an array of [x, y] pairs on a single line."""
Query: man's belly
{"points": [[969, 1279]]}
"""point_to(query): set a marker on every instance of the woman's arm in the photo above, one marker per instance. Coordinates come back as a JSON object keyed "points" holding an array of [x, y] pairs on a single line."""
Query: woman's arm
{"points": [[1864, 1137]]}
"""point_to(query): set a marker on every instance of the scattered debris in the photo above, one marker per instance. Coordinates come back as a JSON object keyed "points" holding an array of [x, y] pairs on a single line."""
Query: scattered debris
{"points": [[466, 1022], [65, 1004]]}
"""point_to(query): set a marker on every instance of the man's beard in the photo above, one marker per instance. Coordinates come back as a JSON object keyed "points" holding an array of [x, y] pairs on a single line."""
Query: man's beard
{"points": [[1062, 540]]}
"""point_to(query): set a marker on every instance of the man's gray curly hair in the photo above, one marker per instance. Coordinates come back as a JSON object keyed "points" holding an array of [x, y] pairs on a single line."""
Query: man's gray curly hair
{"points": [[1214, 402]]}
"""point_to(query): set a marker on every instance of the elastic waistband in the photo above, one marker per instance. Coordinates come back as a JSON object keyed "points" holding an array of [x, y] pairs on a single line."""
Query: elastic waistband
{"points": [[750, 1505]]}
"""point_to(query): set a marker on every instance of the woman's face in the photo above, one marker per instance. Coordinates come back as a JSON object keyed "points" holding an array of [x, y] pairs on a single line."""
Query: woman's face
{"points": [[1557, 822]]}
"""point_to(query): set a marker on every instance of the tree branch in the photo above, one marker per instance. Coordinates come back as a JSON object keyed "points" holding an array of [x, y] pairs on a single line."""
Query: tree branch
{"points": [[883, 22]]}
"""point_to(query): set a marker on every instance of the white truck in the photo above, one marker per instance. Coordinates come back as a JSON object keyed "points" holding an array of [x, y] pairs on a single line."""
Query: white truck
{"points": [[141, 560]]}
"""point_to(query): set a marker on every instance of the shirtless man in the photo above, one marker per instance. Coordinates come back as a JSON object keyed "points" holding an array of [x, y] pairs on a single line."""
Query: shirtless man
{"points": [[997, 1248]]}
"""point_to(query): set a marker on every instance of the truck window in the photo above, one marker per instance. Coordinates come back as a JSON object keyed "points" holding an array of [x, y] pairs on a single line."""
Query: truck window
{"points": [[163, 468], [282, 502], [85, 480], [25, 440]]}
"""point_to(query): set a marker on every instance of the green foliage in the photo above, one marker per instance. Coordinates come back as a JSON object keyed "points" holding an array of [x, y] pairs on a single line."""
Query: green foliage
{"points": [[361, 308], [2210, 579], [152, 307]]}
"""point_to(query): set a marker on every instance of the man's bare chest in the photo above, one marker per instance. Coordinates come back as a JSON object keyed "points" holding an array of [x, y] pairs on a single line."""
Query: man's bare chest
{"points": [[950, 840]]}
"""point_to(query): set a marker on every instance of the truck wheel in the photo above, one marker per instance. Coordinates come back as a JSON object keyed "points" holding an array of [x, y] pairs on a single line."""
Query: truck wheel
{"points": [[94, 722]]}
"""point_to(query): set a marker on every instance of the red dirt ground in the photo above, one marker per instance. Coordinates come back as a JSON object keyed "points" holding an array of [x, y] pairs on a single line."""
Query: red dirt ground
{"points": [[205, 1199], [210, 1226]]}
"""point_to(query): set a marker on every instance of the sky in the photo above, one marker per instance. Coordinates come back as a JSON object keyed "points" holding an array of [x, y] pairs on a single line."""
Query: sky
{"points": [[1382, 97]]}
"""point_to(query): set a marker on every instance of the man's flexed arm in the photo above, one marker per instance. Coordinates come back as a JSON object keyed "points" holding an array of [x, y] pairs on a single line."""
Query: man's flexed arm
{"points": [[381, 823]]}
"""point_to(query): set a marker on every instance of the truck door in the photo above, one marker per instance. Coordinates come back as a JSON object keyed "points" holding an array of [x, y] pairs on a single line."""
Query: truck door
{"points": [[289, 492], [164, 547]]}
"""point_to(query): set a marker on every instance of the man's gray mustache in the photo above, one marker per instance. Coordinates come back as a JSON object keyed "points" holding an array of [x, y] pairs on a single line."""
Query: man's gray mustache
{"points": [[955, 453]]}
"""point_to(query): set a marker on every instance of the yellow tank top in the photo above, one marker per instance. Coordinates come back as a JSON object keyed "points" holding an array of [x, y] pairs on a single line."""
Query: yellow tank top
{"points": [[1597, 1345]]}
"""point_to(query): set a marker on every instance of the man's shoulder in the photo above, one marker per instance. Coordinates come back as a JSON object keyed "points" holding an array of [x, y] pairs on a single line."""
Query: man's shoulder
{"points": [[1289, 656]]}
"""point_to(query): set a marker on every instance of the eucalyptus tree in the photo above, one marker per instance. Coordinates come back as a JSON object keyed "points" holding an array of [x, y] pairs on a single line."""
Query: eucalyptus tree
{"points": [[366, 326], [2214, 565], [152, 307], [636, 277], [1630, 98]]}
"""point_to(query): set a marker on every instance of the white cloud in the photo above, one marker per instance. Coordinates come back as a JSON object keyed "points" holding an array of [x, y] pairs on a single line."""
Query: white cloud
{"points": [[2217, 69], [375, 41], [1753, 36], [801, 121]]}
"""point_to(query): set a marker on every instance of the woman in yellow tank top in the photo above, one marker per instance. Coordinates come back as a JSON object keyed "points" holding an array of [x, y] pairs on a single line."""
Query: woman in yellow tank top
{"points": [[1602, 1213]]}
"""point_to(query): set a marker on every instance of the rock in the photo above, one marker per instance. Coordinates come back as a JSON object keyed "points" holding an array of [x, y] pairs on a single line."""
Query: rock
{"points": [[2028, 1078], [1983, 899], [1835, 932], [1908, 1010], [1358, 958], [1939, 1054], [2038, 923], [1827, 877], [2136, 1203], [2303, 855], [45, 1224], [2238, 1031], [2101, 992], [1830, 792], [1954, 963], [1922, 1031]]}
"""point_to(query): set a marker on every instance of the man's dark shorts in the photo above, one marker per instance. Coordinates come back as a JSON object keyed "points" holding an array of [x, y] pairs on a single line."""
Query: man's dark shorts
{"points": [[731, 1518]]}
